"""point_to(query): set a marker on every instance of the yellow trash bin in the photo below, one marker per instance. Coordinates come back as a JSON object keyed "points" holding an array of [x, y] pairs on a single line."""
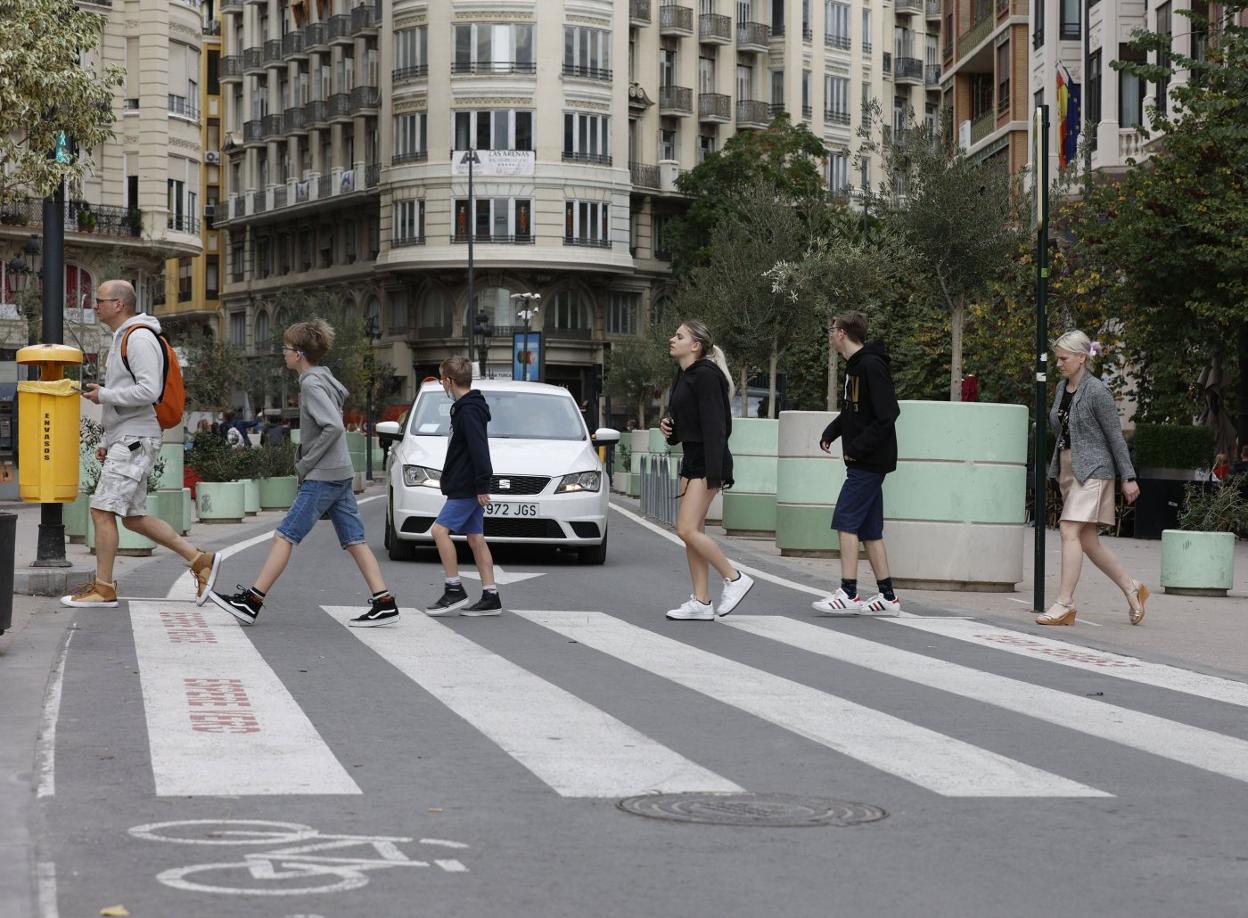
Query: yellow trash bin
{"points": [[48, 410]]}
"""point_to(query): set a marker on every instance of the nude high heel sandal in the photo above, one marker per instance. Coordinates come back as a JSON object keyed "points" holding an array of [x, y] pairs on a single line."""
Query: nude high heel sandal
{"points": [[1059, 613], [1136, 609]]}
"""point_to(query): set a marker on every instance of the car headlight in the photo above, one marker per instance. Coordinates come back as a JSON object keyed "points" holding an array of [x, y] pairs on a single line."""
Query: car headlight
{"points": [[579, 481], [415, 476]]}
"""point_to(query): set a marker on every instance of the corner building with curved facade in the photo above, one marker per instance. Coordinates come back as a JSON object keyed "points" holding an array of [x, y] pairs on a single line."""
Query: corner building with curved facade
{"points": [[344, 125]]}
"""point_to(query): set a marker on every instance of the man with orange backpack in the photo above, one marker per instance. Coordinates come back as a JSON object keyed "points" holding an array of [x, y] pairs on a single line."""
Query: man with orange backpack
{"points": [[142, 394]]}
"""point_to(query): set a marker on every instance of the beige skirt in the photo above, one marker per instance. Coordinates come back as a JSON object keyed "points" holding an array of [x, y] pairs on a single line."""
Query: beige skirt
{"points": [[1090, 502]]}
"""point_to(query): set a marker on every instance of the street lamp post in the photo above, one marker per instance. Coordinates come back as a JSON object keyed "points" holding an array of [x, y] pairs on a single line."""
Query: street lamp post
{"points": [[50, 547], [532, 305]]}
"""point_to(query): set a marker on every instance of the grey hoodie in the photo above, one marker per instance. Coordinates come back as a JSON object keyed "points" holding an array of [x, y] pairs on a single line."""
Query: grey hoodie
{"points": [[128, 401], [323, 453]]}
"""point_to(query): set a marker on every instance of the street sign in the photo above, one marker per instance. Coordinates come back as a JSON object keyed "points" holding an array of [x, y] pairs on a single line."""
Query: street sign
{"points": [[493, 162], [526, 356]]}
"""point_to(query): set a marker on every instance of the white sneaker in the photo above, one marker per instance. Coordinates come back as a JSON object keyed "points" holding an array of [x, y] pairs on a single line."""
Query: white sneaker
{"points": [[734, 592], [693, 611], [839, 603], [878, 605]]}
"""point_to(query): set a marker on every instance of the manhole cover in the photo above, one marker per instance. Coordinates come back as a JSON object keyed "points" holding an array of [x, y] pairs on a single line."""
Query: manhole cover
{"points": [[775, 810]]}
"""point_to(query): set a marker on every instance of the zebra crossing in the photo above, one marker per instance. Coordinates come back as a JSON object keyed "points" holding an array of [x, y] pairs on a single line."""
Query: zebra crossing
{"points": [[214, 707]]}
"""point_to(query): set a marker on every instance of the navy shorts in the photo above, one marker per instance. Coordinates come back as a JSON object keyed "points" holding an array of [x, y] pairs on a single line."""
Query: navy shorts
{"points": [[462, 515], [317, 500], [860, 507]]}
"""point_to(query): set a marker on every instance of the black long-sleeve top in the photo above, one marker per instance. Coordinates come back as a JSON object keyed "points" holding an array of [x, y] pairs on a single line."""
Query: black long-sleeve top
{"points": [[702, 413], [869, 412], [467, 470]]}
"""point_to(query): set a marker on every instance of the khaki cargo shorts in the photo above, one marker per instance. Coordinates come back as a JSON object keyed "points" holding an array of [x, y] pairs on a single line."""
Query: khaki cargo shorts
{"points": [[122, 488]]}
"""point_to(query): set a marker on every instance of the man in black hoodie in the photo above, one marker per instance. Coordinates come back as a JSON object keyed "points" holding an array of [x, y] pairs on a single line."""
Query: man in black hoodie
{"points": [[866, 424], [466, 475]]}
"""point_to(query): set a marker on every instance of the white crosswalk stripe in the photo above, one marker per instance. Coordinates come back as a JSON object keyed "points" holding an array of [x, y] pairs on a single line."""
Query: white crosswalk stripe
{"points": [[929, 759], [577, 749], [1190, 745], [219, 720]]}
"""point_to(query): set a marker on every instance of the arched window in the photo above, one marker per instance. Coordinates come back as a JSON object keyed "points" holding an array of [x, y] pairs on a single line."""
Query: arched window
{"points": [[264, 335], [497, 303], [434, 310], [79, 290], [282, 320], [568, 309]]}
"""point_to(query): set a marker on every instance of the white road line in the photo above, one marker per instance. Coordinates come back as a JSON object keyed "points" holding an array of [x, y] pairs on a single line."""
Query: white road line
{"points": [[1119, 666], [1169, 739], [45, 872], [576, 748], [219, 720], [184, 587], [45, 746], [929, 759]]}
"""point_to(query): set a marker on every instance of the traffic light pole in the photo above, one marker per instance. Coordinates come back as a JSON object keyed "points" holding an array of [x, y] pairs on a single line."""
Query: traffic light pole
{"points": [[1039, 472], [50, 547], [472, 229]]}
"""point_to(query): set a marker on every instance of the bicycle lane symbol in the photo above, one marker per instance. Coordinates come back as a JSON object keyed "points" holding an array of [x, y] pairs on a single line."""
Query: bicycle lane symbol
{"points": [[305, 861]]}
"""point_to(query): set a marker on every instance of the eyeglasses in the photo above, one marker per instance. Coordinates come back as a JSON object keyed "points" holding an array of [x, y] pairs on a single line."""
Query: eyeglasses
{"points": [[293, 350], [111, 299]]}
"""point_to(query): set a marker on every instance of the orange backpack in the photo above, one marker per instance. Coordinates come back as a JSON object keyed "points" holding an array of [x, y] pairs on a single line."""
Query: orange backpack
{"points": [[172, 402]]}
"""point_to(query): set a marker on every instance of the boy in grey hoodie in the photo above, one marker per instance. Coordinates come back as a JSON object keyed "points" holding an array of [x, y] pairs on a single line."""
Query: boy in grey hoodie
{"points": [[323, 464]]}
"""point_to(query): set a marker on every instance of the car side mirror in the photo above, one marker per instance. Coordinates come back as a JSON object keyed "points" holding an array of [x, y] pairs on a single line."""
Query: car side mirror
{"points": [[605, 435], [389, 431]]}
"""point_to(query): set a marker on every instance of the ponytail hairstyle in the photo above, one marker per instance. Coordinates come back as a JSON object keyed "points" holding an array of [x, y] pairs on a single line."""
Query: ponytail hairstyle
{"points": [[709, 349]]}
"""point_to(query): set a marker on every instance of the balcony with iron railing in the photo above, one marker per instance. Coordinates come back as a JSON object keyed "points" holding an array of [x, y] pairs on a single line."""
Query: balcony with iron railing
{"points": [[400, 242], [183, 223], [675, 21], [410, 74], [26, 213], [909, 7], [365, 99], [253, 131], [365, 18], [414, 156], [587, 242], [253, 59], [259, 202], [675, 100], [230, 68], [639, 12], [292, 45], [808, 112], [493, 238], [372, 175], [271, 127], [932, 9], [752, 36], [230, 6], [833, 116], [571, 334], [752, 113], [1003, 97], [338, 28], [983, 125], [931, 75], [316, 112], [838, 42], [714, 29], [483, 68], [776, 109], [977, 32], [339, 106], [313, 35], [908, 69], [294, 120], [643, 175], [272, 52], [184, 108], [714, 106], [600, 159], [587, 73]]}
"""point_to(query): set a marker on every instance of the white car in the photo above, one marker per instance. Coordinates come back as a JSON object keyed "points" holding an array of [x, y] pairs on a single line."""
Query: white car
{"points": [[549, 486]]}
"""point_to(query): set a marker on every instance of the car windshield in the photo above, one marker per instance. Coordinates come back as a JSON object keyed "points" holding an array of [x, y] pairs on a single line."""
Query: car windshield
{"points": [[513, 416]]}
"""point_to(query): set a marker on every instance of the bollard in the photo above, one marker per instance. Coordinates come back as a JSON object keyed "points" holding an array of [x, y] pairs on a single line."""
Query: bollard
{"points": [[8, 544]]}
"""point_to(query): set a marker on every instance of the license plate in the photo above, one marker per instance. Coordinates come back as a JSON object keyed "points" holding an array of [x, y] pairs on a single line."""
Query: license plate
{"points": [[507, 509]]}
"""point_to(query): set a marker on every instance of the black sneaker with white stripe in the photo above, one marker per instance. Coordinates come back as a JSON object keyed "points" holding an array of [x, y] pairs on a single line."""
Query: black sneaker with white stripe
{"points": [[243, 605], [453, 597], [488, 604], [383, 612]]}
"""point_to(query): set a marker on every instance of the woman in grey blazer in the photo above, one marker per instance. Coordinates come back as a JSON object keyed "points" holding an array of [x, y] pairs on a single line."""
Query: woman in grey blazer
{"points": [[1090, 453]]}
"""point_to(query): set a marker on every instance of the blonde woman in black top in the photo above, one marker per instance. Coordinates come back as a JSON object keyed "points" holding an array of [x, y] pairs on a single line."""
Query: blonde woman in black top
{"points": [[700, 418]]}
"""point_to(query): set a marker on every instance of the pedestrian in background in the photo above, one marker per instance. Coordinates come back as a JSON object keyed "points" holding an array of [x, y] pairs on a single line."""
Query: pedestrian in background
{"points": [[466, 475], [130, 448], [1221, 468], [700, 419], [323, 464], [1089, 453], [867, 428]]}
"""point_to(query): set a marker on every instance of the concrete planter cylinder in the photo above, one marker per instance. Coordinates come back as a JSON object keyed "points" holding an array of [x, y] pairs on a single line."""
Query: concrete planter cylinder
{"points": [[251, 496], [75, 516], [169, 508], [278, 493], [954, 509], [750, 505], [188, 510], [220, 501], [639, 443], [173, 454], [1197, 563]]}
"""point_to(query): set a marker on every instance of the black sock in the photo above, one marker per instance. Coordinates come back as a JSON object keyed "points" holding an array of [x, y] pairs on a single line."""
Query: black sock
{"points": [[256, 598], [380, 594], [850, 587], [736, 578], [886, 587]]}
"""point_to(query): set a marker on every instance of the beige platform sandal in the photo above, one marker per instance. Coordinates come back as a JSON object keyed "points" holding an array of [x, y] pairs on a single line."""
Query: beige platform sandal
{"points": [[1060, 613], [1136, 609]]}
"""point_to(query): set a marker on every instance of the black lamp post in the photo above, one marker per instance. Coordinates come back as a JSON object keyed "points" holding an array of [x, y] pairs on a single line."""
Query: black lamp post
{"points": [[373, 332], [482, 330]]}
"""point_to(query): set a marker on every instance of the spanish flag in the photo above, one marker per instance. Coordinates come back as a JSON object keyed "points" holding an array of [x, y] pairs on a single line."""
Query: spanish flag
{"points": [[1068, 117]]}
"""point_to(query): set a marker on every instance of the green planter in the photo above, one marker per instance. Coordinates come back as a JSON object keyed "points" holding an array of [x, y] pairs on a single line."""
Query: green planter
{"points": [[278, 493], [173, 454], [1197, 563], [750, 506], [188, 510], [221, 501], [251, 496], [76, 516]]}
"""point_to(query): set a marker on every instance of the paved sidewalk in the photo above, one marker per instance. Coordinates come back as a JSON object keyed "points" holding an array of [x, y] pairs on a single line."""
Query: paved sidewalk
{"points": [[1207, 634]]}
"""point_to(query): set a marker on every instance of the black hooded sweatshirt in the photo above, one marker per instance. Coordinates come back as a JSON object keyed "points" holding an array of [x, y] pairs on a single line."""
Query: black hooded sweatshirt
{"points": [[467, 470], [869, 412], [701, 413]]}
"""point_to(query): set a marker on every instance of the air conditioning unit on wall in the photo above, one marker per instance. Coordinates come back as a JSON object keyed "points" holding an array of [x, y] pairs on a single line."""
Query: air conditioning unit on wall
{"points": [[212, 157]]}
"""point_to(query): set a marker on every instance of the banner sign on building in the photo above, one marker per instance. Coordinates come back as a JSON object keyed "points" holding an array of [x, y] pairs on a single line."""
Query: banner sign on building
{"points": [[490, 163], [526, 356]]}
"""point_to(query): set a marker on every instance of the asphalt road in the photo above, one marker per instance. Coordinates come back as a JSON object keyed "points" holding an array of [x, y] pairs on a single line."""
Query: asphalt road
{"points": [[472, 767]]}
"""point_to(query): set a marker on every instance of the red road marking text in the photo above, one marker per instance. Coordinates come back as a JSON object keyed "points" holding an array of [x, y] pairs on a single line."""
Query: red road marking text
{"points": [[231, 707], [187, 628]]}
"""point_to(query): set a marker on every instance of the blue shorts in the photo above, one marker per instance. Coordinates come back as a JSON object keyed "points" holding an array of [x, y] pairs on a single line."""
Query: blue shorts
{"points": [[860, 507], [318, 500], [462, 515]]}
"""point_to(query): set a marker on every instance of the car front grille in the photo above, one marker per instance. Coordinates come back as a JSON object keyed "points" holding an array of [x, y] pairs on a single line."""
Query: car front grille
{"points": [[521, 528], [518, 484]]}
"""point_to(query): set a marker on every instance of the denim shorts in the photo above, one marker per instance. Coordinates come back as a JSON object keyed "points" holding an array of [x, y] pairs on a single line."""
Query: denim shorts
{"points": [[462, 515], [317, 500], [860, 506]]}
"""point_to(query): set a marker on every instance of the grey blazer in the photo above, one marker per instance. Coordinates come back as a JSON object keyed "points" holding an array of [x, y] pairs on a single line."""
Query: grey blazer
{"points": [[1097, 447]]}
